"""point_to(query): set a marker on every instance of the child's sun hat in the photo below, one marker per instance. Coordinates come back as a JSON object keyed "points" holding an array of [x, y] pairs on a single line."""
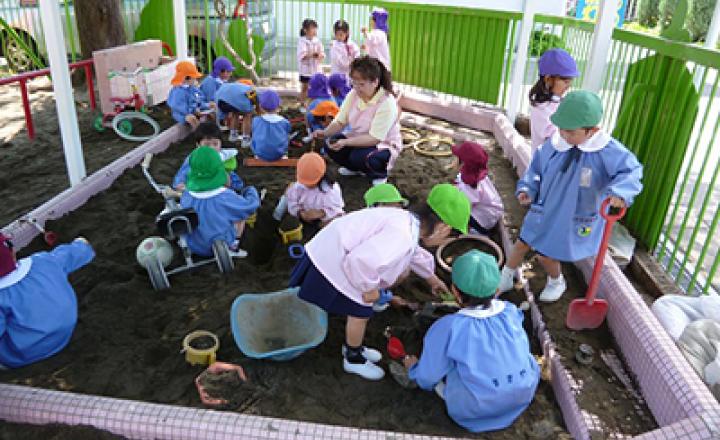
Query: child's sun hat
{"points": [[474, 159], [476, 273], [269, 100], [7, 262], [380, 16], [383, 193], [318, 87], [183, 70], [207, 171], [339, 82], [326, 108], [579, 109], [310, 169], [451, 205], [220, 64], [557, 62]]}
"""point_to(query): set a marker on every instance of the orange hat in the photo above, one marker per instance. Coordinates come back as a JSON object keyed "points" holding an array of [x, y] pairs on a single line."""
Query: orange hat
{"points": [[184, 69], [326, 108], [310, 169], [247, 82]]}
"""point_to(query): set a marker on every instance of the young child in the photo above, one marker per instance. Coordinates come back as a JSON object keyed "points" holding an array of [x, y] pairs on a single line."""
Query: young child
{"points": [[343, 50], [234, 101], [339, 87], [270, 130], [186, 100], [222, 72], [352, 258], [222, 212], [208, 134], [557, 70], [478, 359], [310, 54], [322, 115], [487, 206], [318, 92], [315, 196], [376, 41], [565, 185], [385, 194], [38, 307]]}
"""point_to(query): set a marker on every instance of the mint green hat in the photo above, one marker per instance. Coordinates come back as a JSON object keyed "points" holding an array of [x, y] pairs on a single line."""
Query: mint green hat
{"points": [[451, 205], [383, 193], [476, 273], [578, 109], [207, 171]]}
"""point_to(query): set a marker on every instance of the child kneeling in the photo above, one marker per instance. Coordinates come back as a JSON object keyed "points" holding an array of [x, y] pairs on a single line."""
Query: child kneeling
{"points": [[478, 359]]}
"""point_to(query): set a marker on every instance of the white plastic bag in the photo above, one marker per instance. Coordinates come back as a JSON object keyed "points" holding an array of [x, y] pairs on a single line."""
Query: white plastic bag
{"points": [[621, 246]]}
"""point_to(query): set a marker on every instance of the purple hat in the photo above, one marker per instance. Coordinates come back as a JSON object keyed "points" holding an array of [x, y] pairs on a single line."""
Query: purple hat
{"points": [[339, 82], [380, 16], [7, 261], [557, 62], [220, 64], [269, 100], [318, 86]]}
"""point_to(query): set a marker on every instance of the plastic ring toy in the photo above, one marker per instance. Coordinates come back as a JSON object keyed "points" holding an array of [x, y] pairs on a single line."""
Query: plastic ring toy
{"points": [[409, 135], [296, 251], [119, 125], [436, 147]]}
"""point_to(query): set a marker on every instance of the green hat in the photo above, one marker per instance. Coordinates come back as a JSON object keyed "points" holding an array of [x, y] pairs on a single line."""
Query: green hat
{"points": [[383, 193], [206, 170], [579, 109], [451, 205], [476, 273]]}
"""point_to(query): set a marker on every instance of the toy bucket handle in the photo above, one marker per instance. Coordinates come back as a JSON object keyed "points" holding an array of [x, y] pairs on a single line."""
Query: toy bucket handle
{"points": [[613, 214], [296, 251]]}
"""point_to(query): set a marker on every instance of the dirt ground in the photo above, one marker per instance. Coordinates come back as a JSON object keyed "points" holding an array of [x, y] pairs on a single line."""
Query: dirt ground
{"points": [[128, 338]]}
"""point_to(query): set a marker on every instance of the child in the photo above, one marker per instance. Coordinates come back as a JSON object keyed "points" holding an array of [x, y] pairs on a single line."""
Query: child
{"points": [[38, 307], [222, 212], [208, 134], [321, 115], [222, 72], [565, 184], [479, 189], [270, 130], [186, 100], [356, 255], [557, 70], [478, 359], [339, 87], [385, 194], [310, 53], [319, 92], [376, 41], [343, 50], [235, 101], [373, 141], [315, 196]]}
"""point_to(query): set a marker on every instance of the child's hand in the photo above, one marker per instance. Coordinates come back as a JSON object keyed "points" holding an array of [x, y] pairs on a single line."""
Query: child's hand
{"points": [[337, 145], [437, 285], [318, 134], [81, 239], [524, 199], [310, 215], [363, 48], [321, 56], [193, 121], [363, 30], [409, 361], [371, 296], [617, 202], [180, 187]]}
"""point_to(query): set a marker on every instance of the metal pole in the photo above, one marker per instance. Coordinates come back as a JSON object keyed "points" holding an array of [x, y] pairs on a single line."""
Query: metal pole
{"points": [[601, 42], [181, 38], [516, 81], [711, 38], [62, 87]]}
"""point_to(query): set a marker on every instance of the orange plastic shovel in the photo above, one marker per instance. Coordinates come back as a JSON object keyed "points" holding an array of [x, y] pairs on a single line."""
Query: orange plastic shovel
{"points": [[589, 312]]}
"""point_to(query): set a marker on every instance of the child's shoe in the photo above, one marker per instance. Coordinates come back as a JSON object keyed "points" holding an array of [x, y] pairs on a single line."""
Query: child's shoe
{"points": [[553, 290], [379, 181], [235, 251], [348, 172], [368, 353], [507, 279], [233, 136], [366, 370]]}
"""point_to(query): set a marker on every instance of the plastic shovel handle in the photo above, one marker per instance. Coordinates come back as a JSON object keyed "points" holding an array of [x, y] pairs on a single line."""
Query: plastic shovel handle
{"points": [[610, 220]]}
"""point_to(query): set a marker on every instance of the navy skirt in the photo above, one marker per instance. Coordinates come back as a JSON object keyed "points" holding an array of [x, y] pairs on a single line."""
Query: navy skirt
{"points": [[316, 289]]}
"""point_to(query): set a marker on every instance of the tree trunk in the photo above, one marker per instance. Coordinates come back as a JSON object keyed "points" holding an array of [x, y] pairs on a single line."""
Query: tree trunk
{"points": [[100, 25]]}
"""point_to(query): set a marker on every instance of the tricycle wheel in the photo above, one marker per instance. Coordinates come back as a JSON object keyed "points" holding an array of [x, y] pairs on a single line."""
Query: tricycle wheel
{"points": [[158, 277], [125, 126], [98, 124], [222, 256]]}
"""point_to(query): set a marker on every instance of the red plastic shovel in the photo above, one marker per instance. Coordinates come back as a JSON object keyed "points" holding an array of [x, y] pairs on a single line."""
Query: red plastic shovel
{"points": [[590, 313]]}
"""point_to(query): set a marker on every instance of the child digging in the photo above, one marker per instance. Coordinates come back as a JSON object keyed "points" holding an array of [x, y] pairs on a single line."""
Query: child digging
{"points": [[270, 130]]}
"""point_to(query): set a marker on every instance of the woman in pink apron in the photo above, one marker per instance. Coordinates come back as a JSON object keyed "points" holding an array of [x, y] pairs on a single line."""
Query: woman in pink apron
{"points": [[373, 142]]}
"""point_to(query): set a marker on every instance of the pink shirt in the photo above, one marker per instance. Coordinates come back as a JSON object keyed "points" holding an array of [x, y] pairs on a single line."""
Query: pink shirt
{"points": [[341, 55], [377, 46], [540, 126], [302, 198], [309, 66], [361, 116], [369, 249], [487, 206]]}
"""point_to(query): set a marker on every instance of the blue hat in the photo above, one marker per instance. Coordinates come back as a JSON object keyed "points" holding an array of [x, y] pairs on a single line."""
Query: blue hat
{"points": [[220, 64], [339, 82], [557, 62], [269, 100], [318, 87], [380, 16]]}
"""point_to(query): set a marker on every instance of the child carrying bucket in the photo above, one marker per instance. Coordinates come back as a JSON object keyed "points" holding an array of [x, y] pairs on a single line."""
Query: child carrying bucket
{"points": [[376, 41], [557, 69], [186, 100], [565, 184], [478, 359], [351, 259], [270, 130]]}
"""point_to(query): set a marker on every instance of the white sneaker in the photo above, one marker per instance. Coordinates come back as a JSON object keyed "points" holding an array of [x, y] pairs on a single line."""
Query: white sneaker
{"points": [[233, 136], [370, 354], [348, 172], [507, 279], [377, 308], [440, 389], [307, 139], [246, 141], [368, 370], [239, 253], [379, 181], [302, 109], [553, 290]]}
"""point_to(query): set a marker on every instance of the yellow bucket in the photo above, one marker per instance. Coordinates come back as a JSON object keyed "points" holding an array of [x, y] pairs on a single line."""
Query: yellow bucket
{"points": [[250, 221], [200, 356], [291, 235]]}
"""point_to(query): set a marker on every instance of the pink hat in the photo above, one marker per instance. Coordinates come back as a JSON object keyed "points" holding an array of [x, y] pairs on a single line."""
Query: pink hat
{"points": [[474, 161], [7, 261]]}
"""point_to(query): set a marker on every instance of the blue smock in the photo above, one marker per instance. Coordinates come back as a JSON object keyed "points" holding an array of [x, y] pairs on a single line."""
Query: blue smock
{"points": [[209, 87], [38, 307], [312, 122], [338, 100], [236, 183], [563, 222], [235, 94], [270, 136], [217, 212], [484, 357], [186, 100]]}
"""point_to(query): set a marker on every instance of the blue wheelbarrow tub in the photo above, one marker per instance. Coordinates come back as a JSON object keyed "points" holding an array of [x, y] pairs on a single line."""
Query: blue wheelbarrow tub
{"points": [[277, 325]]}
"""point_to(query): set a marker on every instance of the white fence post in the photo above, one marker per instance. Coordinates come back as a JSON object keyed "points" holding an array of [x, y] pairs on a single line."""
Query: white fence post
{"points": [[518, 73], [181, 38], [711, 38], [602, 40], [62, 88]]}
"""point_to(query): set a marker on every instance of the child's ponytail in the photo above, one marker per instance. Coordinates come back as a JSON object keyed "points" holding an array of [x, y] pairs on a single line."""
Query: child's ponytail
{"points": [[540, 93], [342, 25], [307, 24]]}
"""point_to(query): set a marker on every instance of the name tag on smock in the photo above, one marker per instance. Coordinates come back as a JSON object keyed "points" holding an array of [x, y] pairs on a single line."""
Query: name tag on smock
{"points": [[585, 177]]}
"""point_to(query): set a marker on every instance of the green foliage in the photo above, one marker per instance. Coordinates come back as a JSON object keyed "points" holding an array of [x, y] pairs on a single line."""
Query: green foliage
{"points": [[236, 35], [542, 41], [667, 11], [649, 13], [698, 21], [156, 22]]}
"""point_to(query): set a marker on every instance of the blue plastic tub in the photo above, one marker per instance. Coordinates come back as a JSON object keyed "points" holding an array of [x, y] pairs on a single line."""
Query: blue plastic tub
{"points": [[277, 325]]}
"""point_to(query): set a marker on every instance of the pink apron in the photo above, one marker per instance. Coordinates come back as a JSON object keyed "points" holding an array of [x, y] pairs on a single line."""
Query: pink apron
{"points": [[361, 121]]}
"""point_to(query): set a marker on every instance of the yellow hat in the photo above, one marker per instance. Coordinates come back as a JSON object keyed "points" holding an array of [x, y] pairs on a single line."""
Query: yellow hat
{"points": [[183, 70]]}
